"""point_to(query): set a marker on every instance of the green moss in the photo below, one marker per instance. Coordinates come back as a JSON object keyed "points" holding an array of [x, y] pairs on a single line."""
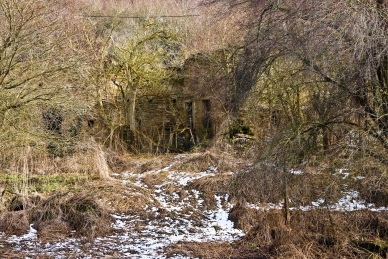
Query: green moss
{"points": [[240, 128]]}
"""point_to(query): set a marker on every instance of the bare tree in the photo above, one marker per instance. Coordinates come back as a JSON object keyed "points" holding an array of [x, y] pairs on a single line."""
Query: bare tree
{"points": [[32, 51], [132, 64], [339, 45], [41, 62]]}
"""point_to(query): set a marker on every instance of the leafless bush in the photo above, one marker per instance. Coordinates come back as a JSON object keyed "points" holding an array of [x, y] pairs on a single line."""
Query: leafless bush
{"points": [[80, 212], [14, 223], [315, 234], [266, 184]]}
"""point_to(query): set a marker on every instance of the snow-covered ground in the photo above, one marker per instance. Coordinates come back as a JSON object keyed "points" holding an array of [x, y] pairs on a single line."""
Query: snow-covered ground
{"points": [[175, 219], [140, 238], [349, 202]]}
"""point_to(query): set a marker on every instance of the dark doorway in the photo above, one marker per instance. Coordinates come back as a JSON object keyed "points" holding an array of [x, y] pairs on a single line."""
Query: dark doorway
{"points": [[190, 116]]}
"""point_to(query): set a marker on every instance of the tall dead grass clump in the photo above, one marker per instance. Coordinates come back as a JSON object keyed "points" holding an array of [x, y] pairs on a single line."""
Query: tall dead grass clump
{"points": [[373, 187], [19, 167], [65, 212], [88, 158], [102, 164], [129, 199], [86, 215], [318, 233], [245, 218], [14, 223]]}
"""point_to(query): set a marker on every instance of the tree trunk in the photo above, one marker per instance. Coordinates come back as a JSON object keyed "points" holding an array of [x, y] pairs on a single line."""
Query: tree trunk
{"points": [[287, 215]]}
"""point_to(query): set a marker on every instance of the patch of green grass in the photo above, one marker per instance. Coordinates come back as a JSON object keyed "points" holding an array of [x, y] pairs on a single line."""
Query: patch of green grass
{"points": [[252, 246], [45, 184]]}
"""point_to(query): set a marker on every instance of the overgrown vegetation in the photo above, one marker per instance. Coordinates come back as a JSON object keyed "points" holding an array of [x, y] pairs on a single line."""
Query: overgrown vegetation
{"points": [[286, 100]]}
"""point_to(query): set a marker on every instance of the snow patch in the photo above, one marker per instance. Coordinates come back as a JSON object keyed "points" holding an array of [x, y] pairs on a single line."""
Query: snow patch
{"points": [[174, 220]]}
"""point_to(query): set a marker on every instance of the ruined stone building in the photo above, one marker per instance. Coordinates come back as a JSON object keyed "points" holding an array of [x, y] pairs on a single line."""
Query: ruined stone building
{"points": [[193, 111]]}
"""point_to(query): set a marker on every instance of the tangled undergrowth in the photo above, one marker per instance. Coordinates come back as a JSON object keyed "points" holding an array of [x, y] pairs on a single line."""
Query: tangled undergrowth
{"points": [[60, 216], [318, 233], [60, 206]]}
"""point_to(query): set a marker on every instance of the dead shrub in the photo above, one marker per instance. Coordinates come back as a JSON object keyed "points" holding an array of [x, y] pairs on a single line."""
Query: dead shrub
{"points": [[58, 214], [14, 223], [83, 213], [53, 230], [316, 234], [245, 218], [266, 184]]}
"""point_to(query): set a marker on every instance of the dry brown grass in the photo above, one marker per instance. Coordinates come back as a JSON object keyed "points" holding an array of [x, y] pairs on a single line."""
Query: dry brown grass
{"points": [[218, 184], [11, 255], [244, 218], [120, 162], [210, 186], [310, 234], [200, 162], [122, 198], [266, 184], [14, 223], [374, 188], [57, 215], [216, 251], [314, 234], [85, 214], [319, 233], [53, 230], [200, 250], [153, 179], [150, 163], [88, 158]]}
